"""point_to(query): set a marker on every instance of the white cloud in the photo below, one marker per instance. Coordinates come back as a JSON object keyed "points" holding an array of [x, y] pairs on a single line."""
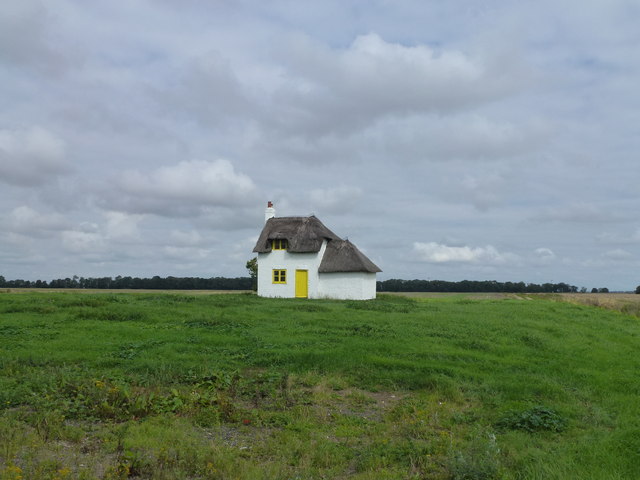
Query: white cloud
{"points": [[618, 254], [27, 221], [544, 253], [187, 188], [31, 156], [337, 90], [620, 238], [433, 252], [543, 257], [116, 236], [122, 226], [77, 242]]}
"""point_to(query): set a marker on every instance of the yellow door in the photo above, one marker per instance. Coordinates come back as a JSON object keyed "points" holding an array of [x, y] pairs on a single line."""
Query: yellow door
{"points": [[302, 283]]}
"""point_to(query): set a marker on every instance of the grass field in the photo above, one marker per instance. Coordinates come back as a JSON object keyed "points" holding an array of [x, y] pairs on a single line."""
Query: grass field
{"points": [[177, 386]]}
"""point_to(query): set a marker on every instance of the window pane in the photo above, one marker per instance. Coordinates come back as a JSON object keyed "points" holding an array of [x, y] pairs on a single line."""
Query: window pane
{"points": [[279, 276], [279, 244]]}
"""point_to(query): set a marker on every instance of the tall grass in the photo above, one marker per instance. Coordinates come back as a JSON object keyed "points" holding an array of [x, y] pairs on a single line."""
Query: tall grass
{"points": [[101, 386]]}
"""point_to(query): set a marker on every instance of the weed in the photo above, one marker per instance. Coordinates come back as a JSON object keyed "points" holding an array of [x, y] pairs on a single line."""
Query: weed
{"points": [[477, 461], [533, 341], [534, 419], [48, 424], [13, 435], [11, 472]]}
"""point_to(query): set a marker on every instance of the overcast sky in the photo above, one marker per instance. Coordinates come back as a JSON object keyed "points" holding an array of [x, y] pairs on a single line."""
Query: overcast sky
{"points": [[480, 140]]}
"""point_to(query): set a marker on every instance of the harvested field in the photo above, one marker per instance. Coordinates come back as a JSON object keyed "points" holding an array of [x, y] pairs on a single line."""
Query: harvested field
{"points": [[622, 302]]}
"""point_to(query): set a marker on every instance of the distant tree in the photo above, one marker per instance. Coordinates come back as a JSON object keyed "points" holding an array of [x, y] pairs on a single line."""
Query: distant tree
{"points": [[638, 289], [603, 290], [252, 266], [594, 290], [583, 289]]}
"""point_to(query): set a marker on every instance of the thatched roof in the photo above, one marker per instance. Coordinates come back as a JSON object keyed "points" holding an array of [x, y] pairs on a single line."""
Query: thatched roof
{"points": [[304, 234], [344, 256]]}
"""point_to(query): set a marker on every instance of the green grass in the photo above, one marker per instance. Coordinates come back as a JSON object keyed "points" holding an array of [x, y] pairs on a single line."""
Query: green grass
{"points": [[114, 386]]}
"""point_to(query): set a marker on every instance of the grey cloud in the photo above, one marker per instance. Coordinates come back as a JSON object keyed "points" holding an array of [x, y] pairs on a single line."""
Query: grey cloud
{"points": [[32, 156], [24, 35], [208, 90], [466, 136], [188, 255], [420, 138], [86, 243], [618, 254], [235, 217], [509, 125], [340, 199], [190, 238], [483, 190], [577, 213]]}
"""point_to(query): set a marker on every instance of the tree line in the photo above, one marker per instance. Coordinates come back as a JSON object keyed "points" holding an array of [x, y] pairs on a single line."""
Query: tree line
{"points": [[119, 282], [397, 285], [248, 283]]}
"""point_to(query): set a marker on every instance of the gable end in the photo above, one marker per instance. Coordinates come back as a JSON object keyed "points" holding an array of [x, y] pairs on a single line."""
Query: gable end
{"points": [[344, 256]]}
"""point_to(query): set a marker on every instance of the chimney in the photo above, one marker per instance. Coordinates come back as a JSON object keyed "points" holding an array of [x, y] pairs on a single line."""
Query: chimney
{"points": [[270, 212]]}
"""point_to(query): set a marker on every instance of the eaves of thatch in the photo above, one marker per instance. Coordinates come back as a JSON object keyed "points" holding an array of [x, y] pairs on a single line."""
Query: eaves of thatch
{"points": [[303, 234], [344, 256]]}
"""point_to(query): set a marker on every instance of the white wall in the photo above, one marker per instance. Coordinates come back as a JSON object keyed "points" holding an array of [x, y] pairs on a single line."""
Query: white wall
{"points": [[282, 259], [338, 285], [348, 285]]}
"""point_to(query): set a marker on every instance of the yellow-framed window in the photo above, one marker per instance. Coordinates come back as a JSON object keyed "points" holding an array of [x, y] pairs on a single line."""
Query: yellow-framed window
{"points": [[279, 244], [279, 276]]}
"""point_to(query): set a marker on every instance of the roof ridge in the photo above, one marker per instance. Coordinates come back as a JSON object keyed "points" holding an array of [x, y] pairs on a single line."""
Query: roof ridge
{"points": [[304, 234]]}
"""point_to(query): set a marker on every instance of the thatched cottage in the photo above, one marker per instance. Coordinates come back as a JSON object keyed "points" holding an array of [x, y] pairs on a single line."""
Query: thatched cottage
{"points": [[300, 257]]}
